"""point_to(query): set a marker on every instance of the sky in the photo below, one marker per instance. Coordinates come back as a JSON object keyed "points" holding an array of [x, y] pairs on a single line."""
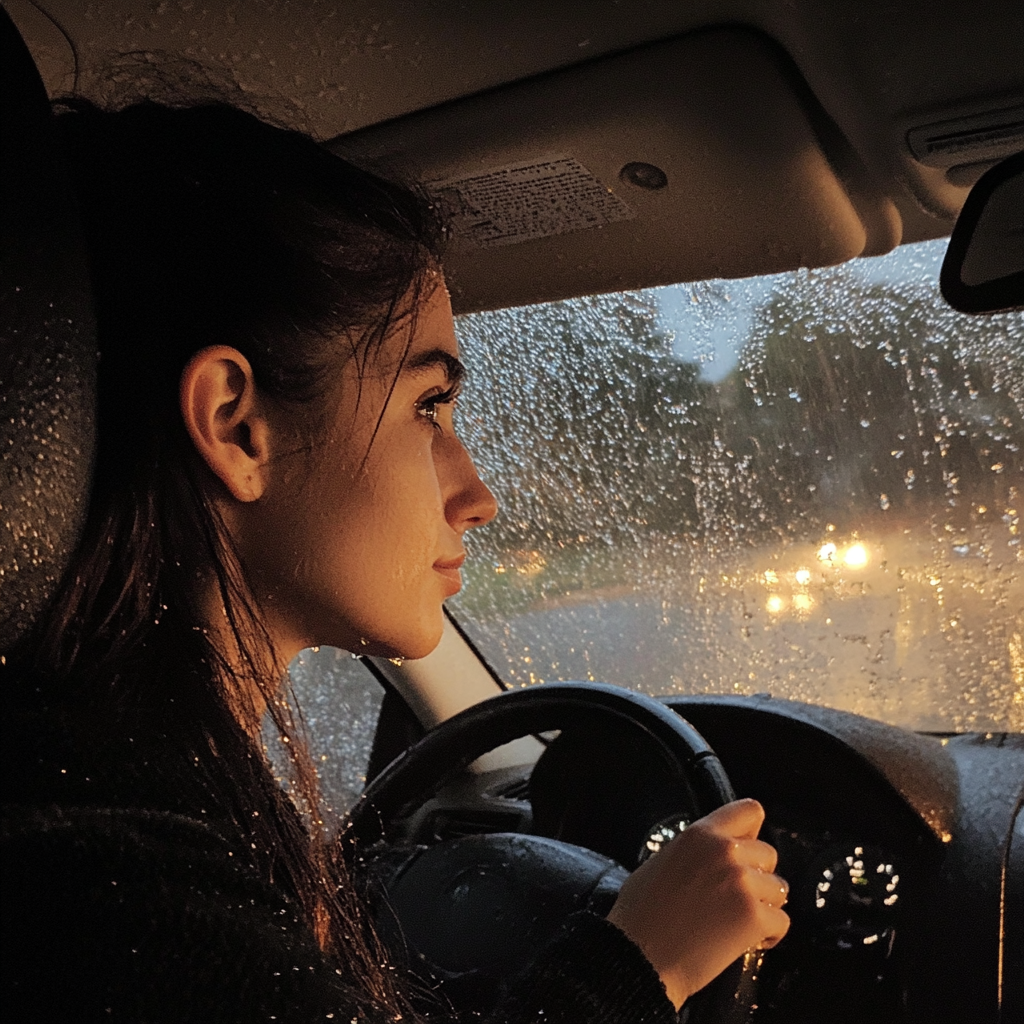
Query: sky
{"points": [[710, 321]]}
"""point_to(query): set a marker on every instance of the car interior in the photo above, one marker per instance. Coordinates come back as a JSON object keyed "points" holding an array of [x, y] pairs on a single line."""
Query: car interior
{"points": [[740, 285]]}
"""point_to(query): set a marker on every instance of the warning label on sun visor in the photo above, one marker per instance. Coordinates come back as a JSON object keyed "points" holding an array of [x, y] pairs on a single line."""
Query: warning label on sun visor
{"points": [[532, 199]]}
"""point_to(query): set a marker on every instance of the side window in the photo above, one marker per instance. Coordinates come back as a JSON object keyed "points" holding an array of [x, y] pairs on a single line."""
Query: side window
{"points": [[340, 703]]}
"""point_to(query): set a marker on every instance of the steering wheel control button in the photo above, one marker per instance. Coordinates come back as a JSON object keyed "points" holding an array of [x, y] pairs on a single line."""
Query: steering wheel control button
{"points": [[660, 834]]}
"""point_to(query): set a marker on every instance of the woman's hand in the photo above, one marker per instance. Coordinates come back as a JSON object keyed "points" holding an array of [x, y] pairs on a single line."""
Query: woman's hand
{"points": [[706, 898]]}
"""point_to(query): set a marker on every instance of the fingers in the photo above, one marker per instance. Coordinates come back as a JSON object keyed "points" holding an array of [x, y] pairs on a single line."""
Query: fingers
{"points": [[753, 853], [769, 888], [772, 894], [710, 894], [775, 925], [742, 819]]}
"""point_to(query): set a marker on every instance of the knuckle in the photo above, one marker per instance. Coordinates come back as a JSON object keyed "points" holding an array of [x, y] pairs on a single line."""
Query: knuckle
{"points": [[721, 845], [735, 875], [748, 902], [699, 828], [712, 841]]}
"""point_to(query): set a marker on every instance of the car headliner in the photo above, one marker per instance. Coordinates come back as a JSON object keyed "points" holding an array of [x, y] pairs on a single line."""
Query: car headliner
{"points": [[876, 71]]}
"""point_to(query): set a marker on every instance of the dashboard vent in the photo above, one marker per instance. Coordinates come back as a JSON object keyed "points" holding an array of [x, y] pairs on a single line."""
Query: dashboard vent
{"points": [[518, 789]]}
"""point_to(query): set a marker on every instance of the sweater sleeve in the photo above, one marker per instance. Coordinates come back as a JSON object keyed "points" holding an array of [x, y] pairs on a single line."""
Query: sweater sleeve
{"points": [[589, 972], [149, 917]]}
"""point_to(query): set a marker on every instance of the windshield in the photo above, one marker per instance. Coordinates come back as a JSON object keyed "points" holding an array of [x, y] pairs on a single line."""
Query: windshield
{"points": [[808, 485]]}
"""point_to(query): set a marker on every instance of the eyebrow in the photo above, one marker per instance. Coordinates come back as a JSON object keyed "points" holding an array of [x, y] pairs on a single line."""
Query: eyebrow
{"points": [[454, 368]]}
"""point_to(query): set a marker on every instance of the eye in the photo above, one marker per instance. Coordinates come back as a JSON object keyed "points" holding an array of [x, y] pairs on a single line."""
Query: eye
{"points": [[428, 410], [428, 407]]}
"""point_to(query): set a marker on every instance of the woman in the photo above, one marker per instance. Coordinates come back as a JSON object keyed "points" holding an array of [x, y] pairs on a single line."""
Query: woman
{"points": [[277, 468]]}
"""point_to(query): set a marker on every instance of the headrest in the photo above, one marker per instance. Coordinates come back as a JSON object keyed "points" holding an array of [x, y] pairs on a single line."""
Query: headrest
{"points": [[47, 349]]}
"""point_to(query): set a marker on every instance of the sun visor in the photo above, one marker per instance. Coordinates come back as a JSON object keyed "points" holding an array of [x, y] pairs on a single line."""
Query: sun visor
{"points": [[704, 156]]}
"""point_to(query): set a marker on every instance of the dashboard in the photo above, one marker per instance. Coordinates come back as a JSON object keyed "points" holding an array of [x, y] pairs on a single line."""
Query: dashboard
{"points": [[929, 820], [905, 853]]}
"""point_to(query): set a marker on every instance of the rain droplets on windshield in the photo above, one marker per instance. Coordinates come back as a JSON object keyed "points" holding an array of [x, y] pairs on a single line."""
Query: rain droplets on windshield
{"points": [[808, 485]]}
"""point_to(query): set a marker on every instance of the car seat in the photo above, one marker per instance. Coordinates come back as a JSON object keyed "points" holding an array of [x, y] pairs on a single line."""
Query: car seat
{"points": [[47, 349]]}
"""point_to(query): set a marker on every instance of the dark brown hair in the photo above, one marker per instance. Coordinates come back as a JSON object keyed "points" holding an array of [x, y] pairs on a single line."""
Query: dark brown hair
{"points": [[207, 226]]}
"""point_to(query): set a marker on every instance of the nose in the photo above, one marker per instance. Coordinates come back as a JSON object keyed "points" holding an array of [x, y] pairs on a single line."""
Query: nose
{"points": [[469, 501]]}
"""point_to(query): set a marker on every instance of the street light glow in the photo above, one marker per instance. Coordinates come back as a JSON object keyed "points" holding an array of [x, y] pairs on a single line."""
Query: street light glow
{"points": [[856, 556]]}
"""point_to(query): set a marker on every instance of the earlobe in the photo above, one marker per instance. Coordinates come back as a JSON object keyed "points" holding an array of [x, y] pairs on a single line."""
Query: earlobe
{"points": [[220, 407]]}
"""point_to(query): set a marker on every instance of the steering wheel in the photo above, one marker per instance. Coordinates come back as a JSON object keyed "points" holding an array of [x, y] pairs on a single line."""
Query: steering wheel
{"points": [[559, 877]]}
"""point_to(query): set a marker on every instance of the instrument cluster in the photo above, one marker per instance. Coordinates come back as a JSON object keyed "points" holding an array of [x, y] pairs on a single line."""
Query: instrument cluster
{"points": [[855, 898]]}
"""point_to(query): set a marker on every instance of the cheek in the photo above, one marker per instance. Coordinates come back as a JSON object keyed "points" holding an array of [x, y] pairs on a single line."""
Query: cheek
{"points": [[393, 516]]}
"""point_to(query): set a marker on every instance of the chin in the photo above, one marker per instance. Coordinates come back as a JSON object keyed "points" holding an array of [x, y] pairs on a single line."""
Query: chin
{"points": [[423, 645], [408, 644]]}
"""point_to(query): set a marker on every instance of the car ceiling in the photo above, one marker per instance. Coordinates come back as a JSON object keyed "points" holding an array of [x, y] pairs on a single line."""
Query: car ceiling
{"points": [[872, 70]]}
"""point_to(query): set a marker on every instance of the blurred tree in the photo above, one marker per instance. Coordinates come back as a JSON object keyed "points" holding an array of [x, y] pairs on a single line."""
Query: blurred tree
{"points": [[853, 395], [575, 414], [851, 398]]}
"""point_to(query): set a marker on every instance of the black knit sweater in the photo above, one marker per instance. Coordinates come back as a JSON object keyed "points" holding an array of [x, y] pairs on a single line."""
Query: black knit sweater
{"points": [[144, 915]]}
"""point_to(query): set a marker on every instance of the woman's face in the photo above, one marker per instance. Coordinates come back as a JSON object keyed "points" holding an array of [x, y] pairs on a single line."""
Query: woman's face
{"points": [[359, 545]]}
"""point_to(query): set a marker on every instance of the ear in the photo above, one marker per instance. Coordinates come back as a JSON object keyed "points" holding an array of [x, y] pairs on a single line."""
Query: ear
{"points": [[220, 407]]}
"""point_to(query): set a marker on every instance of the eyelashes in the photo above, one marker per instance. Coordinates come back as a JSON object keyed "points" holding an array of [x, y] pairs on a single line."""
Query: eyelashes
{"points": [[428, 407]]}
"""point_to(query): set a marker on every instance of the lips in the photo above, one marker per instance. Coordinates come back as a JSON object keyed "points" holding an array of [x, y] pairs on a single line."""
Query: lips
{"points": [[449, 569]]}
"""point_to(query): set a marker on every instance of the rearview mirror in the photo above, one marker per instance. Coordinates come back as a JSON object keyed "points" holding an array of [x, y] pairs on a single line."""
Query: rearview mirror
{"points": [[983, 271]]}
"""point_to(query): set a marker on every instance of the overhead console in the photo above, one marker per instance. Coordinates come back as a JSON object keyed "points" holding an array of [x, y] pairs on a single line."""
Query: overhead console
{"points": [[947, 149], [703, 156]]}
